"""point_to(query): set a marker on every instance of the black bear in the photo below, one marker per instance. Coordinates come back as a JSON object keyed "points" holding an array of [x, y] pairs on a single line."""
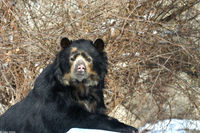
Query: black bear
{"points": [[67, 94]]}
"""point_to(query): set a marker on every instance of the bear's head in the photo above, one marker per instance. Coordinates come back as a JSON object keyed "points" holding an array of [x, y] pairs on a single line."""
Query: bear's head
{"points": [[82, 62]]}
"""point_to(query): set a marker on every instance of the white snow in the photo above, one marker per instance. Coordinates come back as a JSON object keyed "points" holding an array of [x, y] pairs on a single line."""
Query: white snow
{"points": [[137, 54], [155, 32], [172, 126], [37, 64], [41, 70]]}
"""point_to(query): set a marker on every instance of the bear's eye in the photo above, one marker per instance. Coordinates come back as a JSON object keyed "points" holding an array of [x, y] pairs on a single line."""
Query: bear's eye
{"points": [[72, 58], [89, 59]]}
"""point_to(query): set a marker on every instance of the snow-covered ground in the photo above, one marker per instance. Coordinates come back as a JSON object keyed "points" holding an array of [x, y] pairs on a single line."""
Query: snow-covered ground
{"points": [[172, 126]]}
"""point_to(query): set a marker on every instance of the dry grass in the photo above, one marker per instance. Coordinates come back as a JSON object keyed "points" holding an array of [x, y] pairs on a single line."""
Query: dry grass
{"points": [[149, 45]]}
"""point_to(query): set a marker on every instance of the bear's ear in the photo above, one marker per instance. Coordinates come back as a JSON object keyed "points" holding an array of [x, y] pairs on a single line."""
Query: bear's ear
{"points": [[65, 42], [99, 45]]}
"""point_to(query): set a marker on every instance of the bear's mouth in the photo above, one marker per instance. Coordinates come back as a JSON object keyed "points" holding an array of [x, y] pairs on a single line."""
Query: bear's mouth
{"points": [[80, 76]]}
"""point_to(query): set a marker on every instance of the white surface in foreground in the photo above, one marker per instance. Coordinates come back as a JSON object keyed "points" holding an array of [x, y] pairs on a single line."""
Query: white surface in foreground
{"points": [[166, 126], [81, 130], [172, 126]]}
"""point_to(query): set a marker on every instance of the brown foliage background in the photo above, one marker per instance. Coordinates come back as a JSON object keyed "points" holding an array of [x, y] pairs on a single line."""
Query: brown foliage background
{"points": [[150, 44]]}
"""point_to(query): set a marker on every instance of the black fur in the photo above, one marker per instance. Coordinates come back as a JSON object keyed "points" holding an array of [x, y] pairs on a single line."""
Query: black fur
{"points": [[55, 107]]}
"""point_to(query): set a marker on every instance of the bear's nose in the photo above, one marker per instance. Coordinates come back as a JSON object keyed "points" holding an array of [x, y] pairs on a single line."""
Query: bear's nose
{"points": [[81, 68]]}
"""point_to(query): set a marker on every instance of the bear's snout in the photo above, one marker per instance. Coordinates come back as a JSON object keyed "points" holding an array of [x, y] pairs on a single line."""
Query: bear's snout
{"points": [[81, 68]]}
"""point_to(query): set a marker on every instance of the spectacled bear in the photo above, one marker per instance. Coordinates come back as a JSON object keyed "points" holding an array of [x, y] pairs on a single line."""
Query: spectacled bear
{"points": [[67, 94]]}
